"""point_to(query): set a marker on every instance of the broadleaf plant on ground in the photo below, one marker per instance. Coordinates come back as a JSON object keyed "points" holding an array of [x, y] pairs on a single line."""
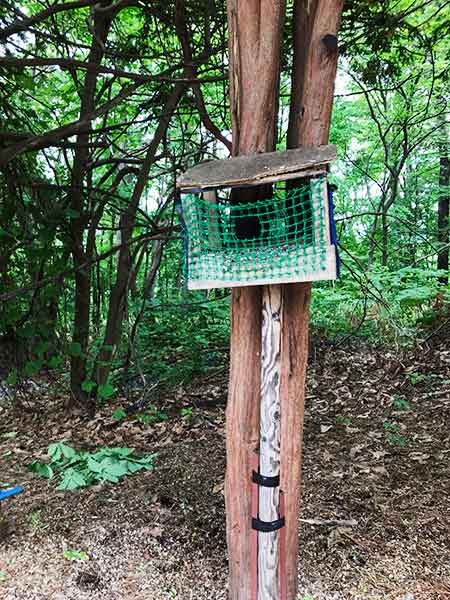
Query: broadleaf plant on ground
{"points": [[82, 469]]}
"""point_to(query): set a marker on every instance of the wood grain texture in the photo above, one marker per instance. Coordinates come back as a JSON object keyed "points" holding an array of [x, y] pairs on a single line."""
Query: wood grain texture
{"points": [[242, 434], [294, 353], [258, 168], [269, 439], [313, 72], [313, 79], [213, 220], [254, 41]]}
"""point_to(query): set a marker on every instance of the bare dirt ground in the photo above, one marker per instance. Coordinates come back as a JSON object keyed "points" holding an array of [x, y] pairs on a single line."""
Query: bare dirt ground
{"points": [[377, 449]]}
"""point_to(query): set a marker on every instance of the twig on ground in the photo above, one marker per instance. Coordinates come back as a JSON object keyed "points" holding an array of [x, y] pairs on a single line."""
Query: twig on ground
{"points": [[331, 522]]}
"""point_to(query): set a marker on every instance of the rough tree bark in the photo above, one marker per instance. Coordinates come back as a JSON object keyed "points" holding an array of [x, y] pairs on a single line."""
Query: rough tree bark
{"points": [[101, 26], [254, 45], [313, 77], [255, 28]]}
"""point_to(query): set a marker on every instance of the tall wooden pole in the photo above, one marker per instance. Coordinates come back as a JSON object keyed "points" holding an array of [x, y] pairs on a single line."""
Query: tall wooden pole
{"points": [[255, 28], [254, 48], [316, 24], [269, 441]]}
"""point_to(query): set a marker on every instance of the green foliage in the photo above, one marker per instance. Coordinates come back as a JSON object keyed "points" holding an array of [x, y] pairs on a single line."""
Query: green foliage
{"points": [[74, 555], [106, 391], [42, 469], [55, 362], [12, 378], [81, 469], [36, 522], [393, 435], [187, 413], [119, 414], [343, 420], [74, 349], [400, 403], [417, 378], [181, 342], [152, 415], [88, 386], [389, 306]]}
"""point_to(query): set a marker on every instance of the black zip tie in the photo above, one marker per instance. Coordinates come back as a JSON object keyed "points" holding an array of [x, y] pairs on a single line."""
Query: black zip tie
{"points": [[268, 526], [266, 481]]}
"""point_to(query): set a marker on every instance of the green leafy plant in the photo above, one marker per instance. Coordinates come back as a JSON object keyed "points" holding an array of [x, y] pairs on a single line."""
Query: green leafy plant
{"points": [[75, 555], [393, 435], [416, 378], [180, 343], [106, 391], [81, 469], [87, 386], [119, 414], [36, 522], [13, 378], [400, 403], [343, 420], [187, 413], [152, 415], [74, 349]]}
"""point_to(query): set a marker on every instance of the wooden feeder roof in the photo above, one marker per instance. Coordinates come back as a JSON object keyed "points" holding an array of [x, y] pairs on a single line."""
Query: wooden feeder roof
{"points": [[254, 169]]}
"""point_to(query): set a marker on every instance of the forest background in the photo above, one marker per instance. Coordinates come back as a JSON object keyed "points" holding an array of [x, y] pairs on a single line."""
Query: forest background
{"points": [[103, 105]]}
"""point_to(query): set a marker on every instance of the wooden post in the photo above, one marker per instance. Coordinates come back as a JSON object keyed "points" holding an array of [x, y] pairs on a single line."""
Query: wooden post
{"points": [[213, 220], [313, 79], [269, 440], [254, 40]]}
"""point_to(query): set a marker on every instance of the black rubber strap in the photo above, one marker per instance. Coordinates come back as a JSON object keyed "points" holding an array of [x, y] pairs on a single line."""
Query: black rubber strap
{"points": [[268, 526], [270, 482]]}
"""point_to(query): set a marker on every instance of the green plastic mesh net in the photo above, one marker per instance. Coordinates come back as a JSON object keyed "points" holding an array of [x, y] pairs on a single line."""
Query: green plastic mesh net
{"points": [[282, 238]]}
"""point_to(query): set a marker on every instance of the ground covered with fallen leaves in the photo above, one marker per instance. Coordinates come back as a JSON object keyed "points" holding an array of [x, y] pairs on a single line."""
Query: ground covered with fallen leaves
{"points": [[375, 514]]}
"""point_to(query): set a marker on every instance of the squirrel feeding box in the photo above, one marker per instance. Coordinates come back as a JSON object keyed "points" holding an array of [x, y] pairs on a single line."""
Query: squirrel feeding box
{"points": [[259, 219]]}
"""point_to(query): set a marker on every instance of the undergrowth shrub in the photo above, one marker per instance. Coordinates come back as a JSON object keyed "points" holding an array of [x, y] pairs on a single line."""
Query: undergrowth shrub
{"points": [[81, 469], [176, 343]]}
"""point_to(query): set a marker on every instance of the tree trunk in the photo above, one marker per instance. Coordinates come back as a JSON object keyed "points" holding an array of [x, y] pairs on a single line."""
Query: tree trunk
{"points": [[384, 235], [147, 295], [316, 23], [313, 77], [443, 212], [119, 291], [101, 26], [254, 42], [255, 28]]}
